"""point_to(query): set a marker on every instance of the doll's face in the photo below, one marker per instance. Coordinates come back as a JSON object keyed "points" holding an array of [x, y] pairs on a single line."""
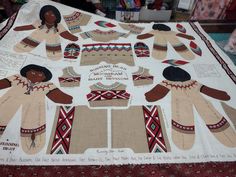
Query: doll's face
{"points": [[35, 76], [50, 17]]}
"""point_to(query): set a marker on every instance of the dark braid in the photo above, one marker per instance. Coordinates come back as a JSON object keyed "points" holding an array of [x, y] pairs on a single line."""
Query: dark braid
{"points": [[55, 26]]}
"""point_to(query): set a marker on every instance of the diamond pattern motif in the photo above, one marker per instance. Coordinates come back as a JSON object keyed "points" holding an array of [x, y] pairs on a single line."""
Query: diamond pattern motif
{"points": [[61, 141], [156, 141]]}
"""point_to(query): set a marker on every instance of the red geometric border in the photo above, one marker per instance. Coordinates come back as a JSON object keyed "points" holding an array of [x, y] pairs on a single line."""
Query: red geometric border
{"points": [[8, 26]]}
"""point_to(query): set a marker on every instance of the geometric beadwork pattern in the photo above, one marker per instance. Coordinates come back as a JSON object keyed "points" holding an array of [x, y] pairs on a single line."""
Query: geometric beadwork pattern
{"points": [[108, 95], [141, 50], [69, 79], [156, 141], [61, 140], [141, 77]]}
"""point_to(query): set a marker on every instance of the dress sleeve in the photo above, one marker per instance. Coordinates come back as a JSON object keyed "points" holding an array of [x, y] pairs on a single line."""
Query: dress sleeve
{"points": [[85, 35], [13, 80], [36, 24], [61, 28], [48, 87]]}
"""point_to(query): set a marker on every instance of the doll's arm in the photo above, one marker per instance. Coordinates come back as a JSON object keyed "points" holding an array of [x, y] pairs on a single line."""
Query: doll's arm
{"points": [[157, 93], [69, 36], [144, 36], [58, 96], [185, 36], [214, 93], [4, 83], [24, 28]]}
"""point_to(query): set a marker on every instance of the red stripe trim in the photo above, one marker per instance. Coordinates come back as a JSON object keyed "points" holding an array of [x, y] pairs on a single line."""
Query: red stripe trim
{"points": [[224, 65], [8, 26], [107, 44], [35, 130], [182, 127]]}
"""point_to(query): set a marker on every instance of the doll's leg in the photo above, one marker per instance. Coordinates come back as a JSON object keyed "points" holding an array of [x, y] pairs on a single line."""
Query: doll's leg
{"points": [[181, 49], [53, 48], [54, 52], [32, 143], [231, 113], [183, 129], [8, 108], [159, 50], [215, 122], [33, 123]]}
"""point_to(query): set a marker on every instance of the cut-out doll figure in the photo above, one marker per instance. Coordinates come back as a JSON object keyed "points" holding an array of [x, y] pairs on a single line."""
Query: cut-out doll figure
{"points": [[48, 28], [28, 90], [186, 93], [162, 36]]}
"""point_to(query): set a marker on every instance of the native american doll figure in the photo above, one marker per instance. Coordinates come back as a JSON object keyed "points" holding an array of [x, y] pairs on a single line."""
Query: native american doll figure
{"points": [[28, 89], [48, 28], [162, 35], [186, 93]]}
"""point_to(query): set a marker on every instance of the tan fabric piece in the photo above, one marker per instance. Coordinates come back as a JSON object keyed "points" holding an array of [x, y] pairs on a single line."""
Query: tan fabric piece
{"points": [[69, 78], [142, 77], [134, 29], [128, 129], [103, 36], [75, 20], [113, 53], [89, 130]]}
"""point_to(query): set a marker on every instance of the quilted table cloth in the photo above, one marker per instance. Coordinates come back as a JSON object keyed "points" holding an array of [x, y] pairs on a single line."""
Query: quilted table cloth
{"points": [[80, 89]]}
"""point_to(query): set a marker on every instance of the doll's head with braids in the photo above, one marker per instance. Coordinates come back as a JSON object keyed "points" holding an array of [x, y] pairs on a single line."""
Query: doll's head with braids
{"points": [[50, 16]]}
